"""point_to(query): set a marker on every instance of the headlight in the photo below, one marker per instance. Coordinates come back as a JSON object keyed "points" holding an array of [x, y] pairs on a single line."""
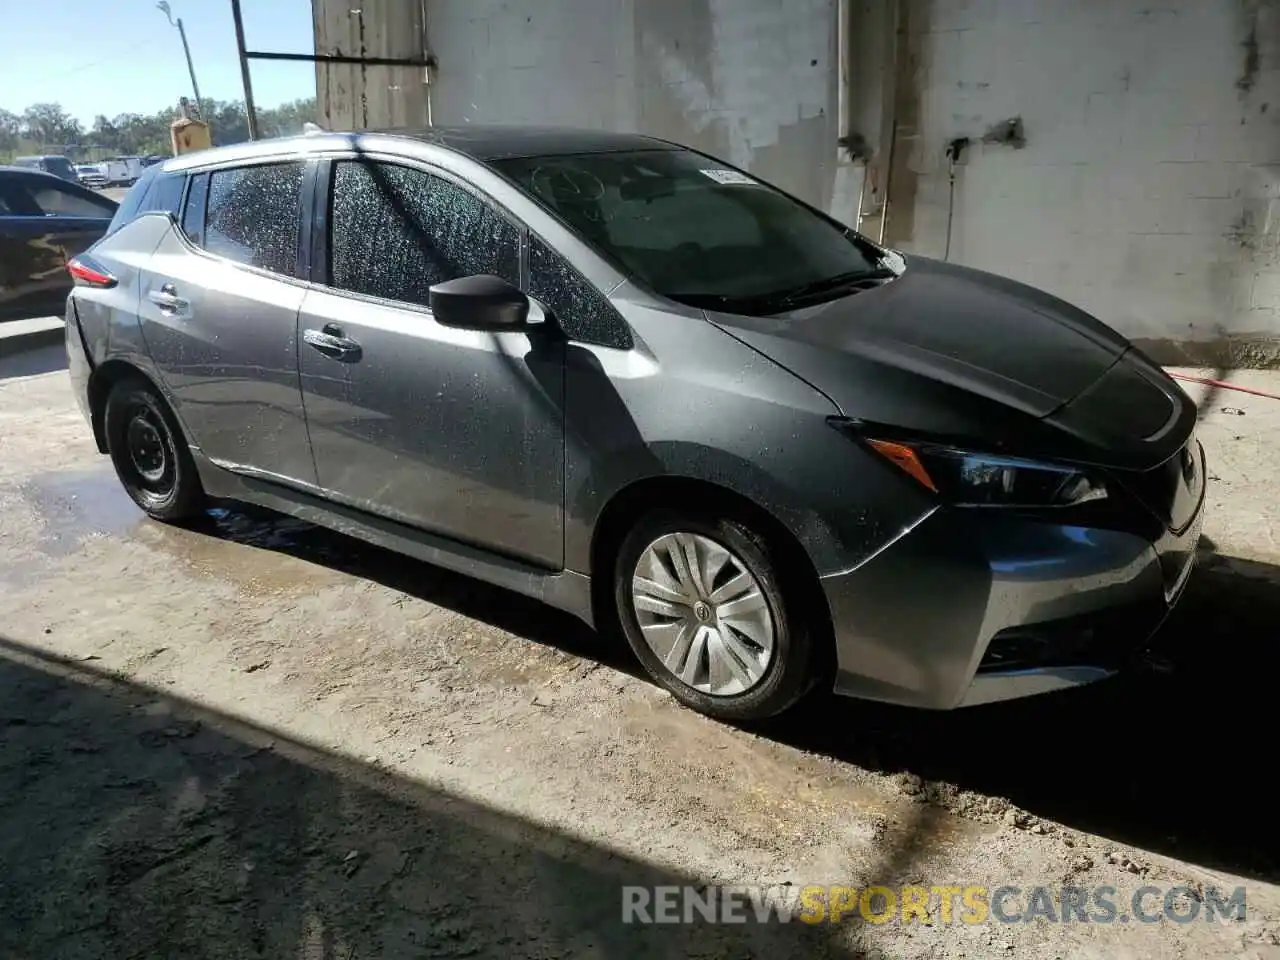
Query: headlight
{"points": [[981, 480]]}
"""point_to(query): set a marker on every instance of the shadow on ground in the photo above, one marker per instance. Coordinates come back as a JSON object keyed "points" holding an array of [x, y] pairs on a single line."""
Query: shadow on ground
{"points": [[29, 363], [1170, 762], [139, 825], [1167, 762]]}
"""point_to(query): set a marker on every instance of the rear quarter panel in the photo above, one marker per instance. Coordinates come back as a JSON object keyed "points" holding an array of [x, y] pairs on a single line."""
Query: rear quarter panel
{"points": [[108, 318]]}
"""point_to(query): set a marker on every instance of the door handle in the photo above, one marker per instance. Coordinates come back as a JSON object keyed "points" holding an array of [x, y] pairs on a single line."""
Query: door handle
{"points": [[167, 299], [333, 347]]}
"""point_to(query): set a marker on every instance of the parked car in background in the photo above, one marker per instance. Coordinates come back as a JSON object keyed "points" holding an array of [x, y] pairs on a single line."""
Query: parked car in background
{"points": [[44, 222], [124, 171], [92, 174], [625, 378], [55, 164], [153, 159]]}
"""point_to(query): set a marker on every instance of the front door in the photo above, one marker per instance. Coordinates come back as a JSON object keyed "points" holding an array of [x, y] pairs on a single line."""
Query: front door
{"points": [[457, 432], [221, 325]]}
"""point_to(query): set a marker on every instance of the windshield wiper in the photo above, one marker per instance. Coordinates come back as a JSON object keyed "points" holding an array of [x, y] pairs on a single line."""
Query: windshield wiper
{"points": [[829, 284], [765, 303]]}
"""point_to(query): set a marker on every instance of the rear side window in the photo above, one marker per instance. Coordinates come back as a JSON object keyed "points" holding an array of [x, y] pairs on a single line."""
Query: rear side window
{"points": [[253, 214], [165, 194], [193, 212], [37, 195], [132, 202], [55, 199], [395, 231]]}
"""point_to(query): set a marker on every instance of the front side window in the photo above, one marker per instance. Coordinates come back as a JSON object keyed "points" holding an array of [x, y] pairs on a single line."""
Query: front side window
{"points": [[696, 232], [395, 231], [582, 311], [253, 215]]}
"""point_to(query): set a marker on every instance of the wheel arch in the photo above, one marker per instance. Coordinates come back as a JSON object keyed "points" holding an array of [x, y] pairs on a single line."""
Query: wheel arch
{"points": [[798, 574], [105, 376]]}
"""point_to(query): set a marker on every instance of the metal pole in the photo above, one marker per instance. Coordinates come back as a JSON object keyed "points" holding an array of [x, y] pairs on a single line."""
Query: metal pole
{"points": [[190, 67], [249, 109]]}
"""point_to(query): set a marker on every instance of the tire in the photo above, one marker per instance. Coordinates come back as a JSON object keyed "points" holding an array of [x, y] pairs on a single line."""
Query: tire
{"points": [[150, 454], [698, 638]]}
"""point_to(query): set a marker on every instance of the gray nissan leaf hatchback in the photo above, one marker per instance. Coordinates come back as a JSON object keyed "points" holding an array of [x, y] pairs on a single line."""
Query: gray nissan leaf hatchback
{"points": [[642, 386]]}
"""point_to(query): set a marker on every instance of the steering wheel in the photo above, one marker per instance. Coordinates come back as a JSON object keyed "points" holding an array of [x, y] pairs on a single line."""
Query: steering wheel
{"points": [[567, 185]]}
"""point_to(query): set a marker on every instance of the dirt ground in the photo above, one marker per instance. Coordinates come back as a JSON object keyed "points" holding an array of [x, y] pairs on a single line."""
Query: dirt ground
{"points": [[262, 739]]}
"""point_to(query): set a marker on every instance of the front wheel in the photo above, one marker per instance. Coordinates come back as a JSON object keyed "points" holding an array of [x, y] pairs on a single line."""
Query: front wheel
{"points": [[702, 605], [150, 454]]}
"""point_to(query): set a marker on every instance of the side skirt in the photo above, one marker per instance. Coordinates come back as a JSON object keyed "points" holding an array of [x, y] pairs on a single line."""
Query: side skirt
{"points": [[565, 589]]}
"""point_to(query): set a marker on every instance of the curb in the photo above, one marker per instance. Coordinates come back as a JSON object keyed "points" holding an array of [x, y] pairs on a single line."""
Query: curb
{"points": [[19, 336]]}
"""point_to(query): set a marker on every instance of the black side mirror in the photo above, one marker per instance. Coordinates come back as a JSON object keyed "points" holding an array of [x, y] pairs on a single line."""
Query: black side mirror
{"points": [[482, 302]]}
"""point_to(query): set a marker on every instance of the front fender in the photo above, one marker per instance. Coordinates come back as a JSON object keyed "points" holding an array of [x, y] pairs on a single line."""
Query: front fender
{"points": [[704, 406]]}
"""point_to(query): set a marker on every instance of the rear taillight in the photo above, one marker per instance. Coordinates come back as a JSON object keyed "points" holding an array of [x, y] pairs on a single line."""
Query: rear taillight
{"points": [[87, 271]]}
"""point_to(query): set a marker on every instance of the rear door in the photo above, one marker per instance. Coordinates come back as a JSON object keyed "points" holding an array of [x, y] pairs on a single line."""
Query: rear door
{"points": [[458, 432], [44, 222], [219, 307]]}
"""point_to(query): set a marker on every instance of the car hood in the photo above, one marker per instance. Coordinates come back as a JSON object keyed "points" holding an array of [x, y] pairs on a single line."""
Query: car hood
{"points": [[958, 352]]}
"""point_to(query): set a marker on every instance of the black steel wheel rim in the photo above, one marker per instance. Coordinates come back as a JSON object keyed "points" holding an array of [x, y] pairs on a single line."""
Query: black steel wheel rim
{"points": [[150, 449]]}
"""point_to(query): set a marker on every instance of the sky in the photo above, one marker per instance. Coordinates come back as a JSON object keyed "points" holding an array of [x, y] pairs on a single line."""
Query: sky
{"points": [[121, 56]]}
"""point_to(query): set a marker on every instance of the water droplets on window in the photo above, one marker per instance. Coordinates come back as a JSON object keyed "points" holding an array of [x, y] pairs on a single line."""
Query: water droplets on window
{"points": [[396, 231], [253, 215]]}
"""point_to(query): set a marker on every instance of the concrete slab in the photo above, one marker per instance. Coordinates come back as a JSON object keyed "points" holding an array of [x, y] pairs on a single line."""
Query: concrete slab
{"points": [[17, 336], [256, 717]]}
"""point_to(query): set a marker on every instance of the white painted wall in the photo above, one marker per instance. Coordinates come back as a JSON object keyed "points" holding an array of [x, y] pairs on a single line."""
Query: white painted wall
{"points": [[753, 81], [1148, 191]]}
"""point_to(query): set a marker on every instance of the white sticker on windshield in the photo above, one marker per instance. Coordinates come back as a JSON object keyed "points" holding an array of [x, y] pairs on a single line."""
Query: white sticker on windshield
{"points": [[728, 176]]}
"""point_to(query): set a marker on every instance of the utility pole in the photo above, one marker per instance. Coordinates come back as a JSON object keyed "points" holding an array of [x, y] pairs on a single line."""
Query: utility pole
{"points": [[164, 7], [244, 71]]}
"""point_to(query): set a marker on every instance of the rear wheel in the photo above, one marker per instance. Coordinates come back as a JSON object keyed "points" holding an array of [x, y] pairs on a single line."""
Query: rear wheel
{"points": [[702, 605], [150, 454]]}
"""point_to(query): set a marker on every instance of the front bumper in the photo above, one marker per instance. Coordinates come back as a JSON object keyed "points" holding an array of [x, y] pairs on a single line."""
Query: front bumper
{"points": [[962, 609]]}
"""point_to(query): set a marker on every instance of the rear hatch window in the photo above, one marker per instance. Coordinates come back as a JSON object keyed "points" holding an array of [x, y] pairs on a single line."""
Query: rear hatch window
{"points": [[60, 167]]}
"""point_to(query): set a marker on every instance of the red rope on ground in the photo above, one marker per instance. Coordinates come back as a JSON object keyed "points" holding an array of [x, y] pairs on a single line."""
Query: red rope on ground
{"points": [[1226, 386]]}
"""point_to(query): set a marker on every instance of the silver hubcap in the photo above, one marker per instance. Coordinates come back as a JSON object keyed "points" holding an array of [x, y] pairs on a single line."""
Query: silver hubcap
{"points": [[703, 613]]}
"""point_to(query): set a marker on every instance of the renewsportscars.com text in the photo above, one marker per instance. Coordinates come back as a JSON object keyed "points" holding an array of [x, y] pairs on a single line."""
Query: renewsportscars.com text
{"points": [[949, 903]]}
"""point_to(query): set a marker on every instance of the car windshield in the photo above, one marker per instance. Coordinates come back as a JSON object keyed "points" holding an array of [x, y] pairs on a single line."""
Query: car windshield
{"points": [[692, 230]]}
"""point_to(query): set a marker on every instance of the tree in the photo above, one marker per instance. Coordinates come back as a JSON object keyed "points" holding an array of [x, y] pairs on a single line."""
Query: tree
{"points": [[104, 133], [10, 130], [44, 126], [48, 123]]}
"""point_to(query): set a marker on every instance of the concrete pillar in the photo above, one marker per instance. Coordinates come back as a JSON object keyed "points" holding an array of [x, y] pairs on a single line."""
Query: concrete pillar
{"points": [[360, 97]]}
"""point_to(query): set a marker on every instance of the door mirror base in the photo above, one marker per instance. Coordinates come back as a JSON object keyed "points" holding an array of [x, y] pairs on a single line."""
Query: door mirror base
{"points": [[481, 302]]}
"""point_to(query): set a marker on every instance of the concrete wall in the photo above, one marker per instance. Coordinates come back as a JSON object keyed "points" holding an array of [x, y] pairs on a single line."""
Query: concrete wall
{"points": [[751, 80], [356, 97], [1148, 189]]}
